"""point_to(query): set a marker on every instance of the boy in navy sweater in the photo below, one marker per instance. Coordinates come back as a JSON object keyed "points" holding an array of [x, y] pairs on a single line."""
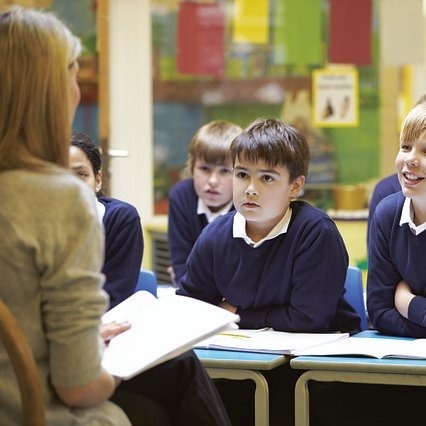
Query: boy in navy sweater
{"points": [[122, 225], [396, 289], [205, 194], [397, 271], [274, 261]]}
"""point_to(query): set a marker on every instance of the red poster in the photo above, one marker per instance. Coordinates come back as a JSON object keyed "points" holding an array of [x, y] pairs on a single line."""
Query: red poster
{"points": [[350, 29], [200, 39]]}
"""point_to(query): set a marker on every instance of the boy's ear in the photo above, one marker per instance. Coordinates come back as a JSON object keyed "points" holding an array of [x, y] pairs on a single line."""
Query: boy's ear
{"points": [[297, 186], [98, 181]]}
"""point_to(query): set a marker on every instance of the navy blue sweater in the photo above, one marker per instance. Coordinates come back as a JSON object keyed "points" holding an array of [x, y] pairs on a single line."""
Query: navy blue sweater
{"points": [[123, 249], [184, 224], [294, 282], [388, 185], [395, 254]]}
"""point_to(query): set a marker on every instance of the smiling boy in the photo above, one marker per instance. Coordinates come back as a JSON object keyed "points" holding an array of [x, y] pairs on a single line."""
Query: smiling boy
{"points": [[397, 270], [396, 288], [276, 261]]}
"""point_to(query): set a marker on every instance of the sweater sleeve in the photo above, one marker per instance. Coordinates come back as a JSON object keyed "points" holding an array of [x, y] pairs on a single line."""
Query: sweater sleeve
{"points": [[180, 234], [383, 276], [123, 252]]}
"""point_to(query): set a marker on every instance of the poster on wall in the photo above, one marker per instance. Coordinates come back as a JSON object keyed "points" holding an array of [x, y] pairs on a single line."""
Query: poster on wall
{"points": [[335, 97]]}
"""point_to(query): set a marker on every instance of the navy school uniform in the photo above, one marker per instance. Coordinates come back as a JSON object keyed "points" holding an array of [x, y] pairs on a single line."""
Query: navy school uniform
{"points": [[184, 224], [123, 249], [395, 254], [293, 282]]}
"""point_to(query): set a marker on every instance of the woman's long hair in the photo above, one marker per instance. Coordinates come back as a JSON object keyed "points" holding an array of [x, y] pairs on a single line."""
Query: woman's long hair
{"points": [[36, 51]]}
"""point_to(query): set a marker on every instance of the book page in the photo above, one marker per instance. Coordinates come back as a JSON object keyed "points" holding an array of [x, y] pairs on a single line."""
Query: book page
{"points": [[409, 349], [364, 346]]}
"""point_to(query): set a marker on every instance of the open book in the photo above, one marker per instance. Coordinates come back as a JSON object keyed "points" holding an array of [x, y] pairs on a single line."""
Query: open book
{"points": [[375, 347], [160, 330], [266, 340]]}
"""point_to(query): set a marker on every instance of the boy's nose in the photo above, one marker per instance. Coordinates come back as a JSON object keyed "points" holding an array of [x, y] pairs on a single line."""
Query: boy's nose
{"points": [[213, 179], [411, 159], [250, 190]]}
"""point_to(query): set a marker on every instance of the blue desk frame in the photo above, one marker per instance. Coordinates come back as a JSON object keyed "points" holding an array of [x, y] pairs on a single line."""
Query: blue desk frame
{"points": [[393, 371], [234, 365]]}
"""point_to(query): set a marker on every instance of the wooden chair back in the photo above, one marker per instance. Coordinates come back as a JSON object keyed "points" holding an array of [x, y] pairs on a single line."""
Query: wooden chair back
{"points": [[25, 369]]}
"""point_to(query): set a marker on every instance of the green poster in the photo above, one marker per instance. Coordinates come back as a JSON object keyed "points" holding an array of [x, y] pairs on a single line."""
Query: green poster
{"points": [[303, 31]]}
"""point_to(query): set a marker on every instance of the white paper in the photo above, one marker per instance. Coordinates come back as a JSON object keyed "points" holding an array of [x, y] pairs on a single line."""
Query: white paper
{"points": [[269, 341], [160, 330], [372, 347]]}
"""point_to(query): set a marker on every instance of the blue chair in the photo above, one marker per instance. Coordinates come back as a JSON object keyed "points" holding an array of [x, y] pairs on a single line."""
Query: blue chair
{"points": [[354, 294], [147, 281]]}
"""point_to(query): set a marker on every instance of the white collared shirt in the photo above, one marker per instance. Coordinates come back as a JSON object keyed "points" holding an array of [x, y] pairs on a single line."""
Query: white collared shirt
{"points": [[239, 228], [211, 216], [101, 210], [407, 217]]}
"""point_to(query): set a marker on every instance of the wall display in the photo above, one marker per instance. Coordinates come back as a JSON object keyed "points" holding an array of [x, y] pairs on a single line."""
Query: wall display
{"points": [[335, 97], [252, 66]]}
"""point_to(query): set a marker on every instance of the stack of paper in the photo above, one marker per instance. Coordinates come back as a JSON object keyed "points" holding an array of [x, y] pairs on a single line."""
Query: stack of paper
{"points": [[266, 340]]}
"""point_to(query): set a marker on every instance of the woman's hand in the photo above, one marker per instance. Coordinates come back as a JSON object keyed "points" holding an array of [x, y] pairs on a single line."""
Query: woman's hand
{"points": [[402, 298], [112, 329]]}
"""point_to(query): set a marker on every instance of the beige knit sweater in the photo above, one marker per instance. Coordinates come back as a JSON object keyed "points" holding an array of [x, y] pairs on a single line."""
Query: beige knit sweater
{"points": [[51, 254]]}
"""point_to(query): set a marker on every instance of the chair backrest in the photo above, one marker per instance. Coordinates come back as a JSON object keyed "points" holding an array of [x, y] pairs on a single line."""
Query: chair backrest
{"points": [[24, 366], [354, 293], [147, 281]]}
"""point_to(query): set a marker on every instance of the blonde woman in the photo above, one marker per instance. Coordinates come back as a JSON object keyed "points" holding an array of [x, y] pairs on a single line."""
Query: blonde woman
{"points": [[51, 250]]}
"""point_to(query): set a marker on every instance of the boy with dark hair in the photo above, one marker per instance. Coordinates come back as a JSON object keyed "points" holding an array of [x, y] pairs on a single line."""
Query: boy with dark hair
{"points": [[276, 261]]}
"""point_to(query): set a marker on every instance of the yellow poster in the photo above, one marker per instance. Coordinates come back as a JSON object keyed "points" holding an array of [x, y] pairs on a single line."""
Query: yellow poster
{"points": [[335, 100], [251, 21]]}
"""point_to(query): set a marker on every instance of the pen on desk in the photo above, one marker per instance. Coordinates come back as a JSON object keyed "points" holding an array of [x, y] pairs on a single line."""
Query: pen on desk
{"points": [[239, 336], [245, 334]]}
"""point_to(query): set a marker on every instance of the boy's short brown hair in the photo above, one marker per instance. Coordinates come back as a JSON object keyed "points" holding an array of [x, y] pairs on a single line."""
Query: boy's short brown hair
{"points": [[274, 142], [414, 125], [211, 143]]}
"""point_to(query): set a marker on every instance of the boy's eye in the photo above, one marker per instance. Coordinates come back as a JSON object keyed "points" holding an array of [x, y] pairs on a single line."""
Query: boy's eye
{"points": [[241, 175], [268, 178], [405, 147], [82, 175], [225, 171]]}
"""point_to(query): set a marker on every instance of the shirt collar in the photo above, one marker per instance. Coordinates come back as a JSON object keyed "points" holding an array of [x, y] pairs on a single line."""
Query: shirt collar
{"points": [[407, 217], [101, 211], [211, 216], [239, 228]]}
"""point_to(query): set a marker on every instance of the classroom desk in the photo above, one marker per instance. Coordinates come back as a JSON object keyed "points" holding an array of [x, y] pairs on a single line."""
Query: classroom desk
{"points": [[352, 370], [234, 365]]}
